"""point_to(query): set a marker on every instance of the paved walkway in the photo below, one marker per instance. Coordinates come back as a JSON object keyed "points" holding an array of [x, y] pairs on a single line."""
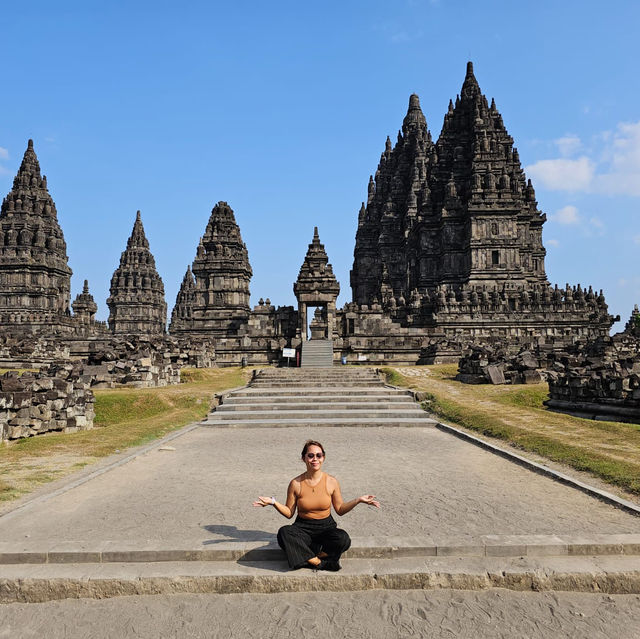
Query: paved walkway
{"points": [[431, 485], [495, 614]]}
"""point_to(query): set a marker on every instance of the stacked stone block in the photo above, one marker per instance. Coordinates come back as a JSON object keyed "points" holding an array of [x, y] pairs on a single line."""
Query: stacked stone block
{"points": [[499, 364], [599, 380], [56, 399], [143, 362]]}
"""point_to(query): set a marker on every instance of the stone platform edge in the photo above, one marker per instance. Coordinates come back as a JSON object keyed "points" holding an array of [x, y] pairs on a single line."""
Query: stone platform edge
{"points": [[364, 548]]}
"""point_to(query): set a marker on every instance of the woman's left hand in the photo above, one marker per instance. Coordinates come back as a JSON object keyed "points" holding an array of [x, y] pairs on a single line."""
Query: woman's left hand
{"points": [[370, 500]]}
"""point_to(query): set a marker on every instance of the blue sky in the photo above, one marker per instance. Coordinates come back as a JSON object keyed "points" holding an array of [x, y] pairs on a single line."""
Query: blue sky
{"points": [[282, 109]]}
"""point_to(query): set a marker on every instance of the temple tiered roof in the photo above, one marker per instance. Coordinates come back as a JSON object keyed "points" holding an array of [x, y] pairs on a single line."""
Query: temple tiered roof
{"points": [[35, 277], [136, 302]]}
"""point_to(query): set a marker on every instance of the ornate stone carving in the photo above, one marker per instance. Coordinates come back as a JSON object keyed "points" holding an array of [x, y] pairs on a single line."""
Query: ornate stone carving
{"points": [[35, 278], [136, 302]]}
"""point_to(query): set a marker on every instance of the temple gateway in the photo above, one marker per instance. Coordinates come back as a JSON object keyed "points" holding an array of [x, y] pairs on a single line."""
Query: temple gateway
{"points": [[448, 252]]}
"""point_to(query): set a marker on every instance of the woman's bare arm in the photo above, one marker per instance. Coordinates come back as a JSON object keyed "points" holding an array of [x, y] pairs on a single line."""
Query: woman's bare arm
{"points": [[286, 510], [340, 506]]}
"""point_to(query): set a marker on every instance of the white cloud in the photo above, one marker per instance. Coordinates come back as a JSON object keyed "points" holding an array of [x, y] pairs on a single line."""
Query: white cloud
{"points": [[552, 243], [563, 174], [596, 222], [4, 155], [636, 239], [611, 166], [622, 162], [567, 215], [568, 144]]}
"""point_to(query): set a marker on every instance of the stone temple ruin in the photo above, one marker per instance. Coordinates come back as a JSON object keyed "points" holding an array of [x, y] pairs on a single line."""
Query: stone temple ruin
{"points": [[448, 254]]}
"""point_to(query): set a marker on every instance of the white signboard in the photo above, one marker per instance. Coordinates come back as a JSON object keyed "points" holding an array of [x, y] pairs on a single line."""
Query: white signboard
{"points": [[288, 352], [362, 358]]}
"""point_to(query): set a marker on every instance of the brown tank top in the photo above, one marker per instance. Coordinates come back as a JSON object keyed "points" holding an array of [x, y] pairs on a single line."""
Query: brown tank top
{"points": [[314, 502]]}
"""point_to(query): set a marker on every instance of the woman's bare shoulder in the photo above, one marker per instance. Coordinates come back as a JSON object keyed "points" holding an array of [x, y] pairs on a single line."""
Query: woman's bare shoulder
{"points": [[331, 480]]}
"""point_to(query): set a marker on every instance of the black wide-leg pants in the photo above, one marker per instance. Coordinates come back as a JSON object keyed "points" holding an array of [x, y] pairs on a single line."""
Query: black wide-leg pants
{"points": [[305, 538]]}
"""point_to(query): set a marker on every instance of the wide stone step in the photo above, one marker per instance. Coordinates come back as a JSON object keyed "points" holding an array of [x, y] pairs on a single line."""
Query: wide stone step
{"points": [[47, 582], [389, 547], [323, 413], [304, 384], [303, 401], [307, 406], [313, 421], [314, 391]]}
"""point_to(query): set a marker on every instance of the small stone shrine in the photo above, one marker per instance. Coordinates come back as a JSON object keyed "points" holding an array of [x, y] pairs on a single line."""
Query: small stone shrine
{"points": [[317, 287]]}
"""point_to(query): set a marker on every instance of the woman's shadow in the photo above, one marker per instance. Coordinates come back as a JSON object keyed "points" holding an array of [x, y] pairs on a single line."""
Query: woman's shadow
{"points": [[233, 533], [254, 556]]}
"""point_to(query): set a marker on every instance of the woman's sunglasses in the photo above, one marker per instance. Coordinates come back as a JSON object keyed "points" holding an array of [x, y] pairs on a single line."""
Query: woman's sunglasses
{"points": [[314, 455]]}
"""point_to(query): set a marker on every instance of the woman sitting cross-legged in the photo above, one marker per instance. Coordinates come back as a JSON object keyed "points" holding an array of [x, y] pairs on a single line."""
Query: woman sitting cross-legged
{"points": [[314, 539]]}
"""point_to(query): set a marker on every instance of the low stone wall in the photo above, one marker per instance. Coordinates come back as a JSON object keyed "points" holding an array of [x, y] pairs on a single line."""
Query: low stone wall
{"points": [[55, 399]]}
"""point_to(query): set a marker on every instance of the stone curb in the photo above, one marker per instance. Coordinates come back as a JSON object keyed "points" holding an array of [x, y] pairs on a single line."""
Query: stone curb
{"points": [[487, 546]]}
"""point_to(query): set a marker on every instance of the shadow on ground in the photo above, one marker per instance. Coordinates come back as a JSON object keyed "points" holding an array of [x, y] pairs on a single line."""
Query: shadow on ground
{"points": [[232, 533]]}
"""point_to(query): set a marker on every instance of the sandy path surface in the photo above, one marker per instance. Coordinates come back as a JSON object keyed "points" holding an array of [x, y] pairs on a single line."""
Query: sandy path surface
{"points": [[430, 484], [385, 615]]}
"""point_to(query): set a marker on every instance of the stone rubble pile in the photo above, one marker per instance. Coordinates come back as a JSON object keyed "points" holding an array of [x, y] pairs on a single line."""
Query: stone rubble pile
{"points": [[599, 380], [498, 364], [144, 361], [20, 351], [55, 399]]}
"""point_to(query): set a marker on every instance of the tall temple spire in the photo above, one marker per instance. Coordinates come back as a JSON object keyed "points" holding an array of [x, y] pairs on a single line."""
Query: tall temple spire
{"points": [[35, 276], [222, 275], [136, 302], [396, 202], [458, 213], [183, 309]]}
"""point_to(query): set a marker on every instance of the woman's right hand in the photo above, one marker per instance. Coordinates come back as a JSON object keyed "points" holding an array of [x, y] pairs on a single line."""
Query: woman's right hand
{"points": [[263, 501]]}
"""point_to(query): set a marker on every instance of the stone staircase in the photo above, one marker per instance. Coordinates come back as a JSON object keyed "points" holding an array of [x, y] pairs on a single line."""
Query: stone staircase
{"points": [[317, 353], [336, 396]]}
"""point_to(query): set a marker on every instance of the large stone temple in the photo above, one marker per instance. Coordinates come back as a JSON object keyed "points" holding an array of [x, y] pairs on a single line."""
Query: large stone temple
{"points": [[448, 252]]}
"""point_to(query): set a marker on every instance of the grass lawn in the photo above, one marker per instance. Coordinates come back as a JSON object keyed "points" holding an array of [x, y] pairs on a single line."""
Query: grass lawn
{"points": [[125, 417], [516, 414]]}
